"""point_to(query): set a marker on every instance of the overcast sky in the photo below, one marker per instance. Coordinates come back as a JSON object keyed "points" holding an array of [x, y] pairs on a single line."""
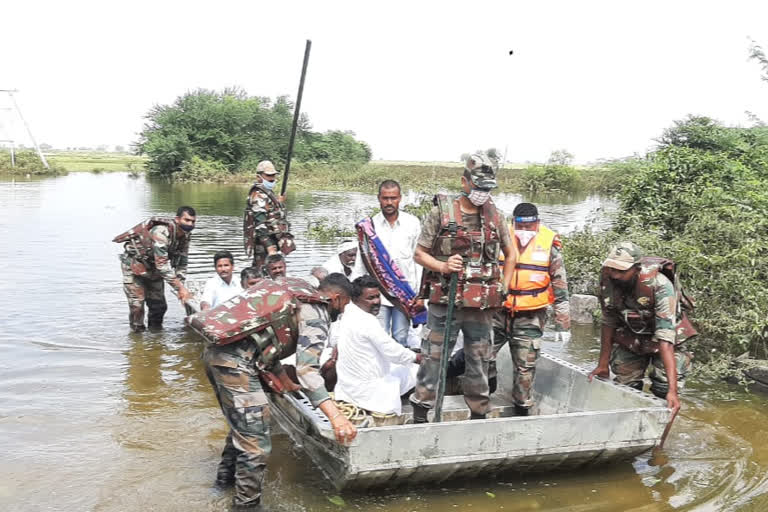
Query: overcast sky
{"points": [[416, 80]]}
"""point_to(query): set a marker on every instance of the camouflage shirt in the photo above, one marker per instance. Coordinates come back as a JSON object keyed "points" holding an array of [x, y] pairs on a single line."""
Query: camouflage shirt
{"points": [[314, 325], [665, 314], [170, 256], [559, 282], [263, 206], [471, 221]]}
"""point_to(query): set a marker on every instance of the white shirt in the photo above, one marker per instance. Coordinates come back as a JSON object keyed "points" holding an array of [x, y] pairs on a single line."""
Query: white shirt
{"points": [[373, 369], [400, 239], [217, 291], [333, 265]]}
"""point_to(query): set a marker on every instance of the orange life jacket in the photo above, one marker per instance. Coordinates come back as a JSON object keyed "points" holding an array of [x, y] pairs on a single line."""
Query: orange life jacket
{"points": [[531, 287]]}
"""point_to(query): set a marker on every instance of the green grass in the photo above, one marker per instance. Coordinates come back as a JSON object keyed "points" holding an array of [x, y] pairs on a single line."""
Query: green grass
{"points": [[94, 161]]}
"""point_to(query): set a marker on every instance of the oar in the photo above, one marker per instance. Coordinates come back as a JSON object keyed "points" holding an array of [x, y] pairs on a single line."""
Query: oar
{"points": [[446, 349]]}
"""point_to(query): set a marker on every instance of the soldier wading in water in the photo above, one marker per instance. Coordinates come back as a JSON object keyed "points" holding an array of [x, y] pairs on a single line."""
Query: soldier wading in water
{"points": [[463, 235], [247, 337], [155, 253], [265, 226]]}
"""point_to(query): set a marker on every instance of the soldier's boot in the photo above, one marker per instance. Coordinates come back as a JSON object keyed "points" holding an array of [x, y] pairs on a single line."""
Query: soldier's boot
{"points": [[136, 318], [476, 416], [420, 414], [252, 506], [157, 309], [225, 475], [492, 384], [521, 411]]}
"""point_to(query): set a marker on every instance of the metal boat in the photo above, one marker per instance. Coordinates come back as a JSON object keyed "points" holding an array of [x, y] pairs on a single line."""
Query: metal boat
{"points": [[574, 423]]}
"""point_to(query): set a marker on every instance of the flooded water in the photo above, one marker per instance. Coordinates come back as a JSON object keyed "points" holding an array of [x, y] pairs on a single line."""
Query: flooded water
{"points": [[93, 417]]}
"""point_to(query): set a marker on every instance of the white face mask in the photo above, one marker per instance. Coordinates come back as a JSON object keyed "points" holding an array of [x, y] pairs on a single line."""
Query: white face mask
{"points": [[478, 197], [524, 236]]}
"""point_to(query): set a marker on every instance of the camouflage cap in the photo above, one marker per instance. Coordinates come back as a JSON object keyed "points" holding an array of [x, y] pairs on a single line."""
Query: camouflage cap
{"points": [[266, 167], [482, 170], [623, 256]]}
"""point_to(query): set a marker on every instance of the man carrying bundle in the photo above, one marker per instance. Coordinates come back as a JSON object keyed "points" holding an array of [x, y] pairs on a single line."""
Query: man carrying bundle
{"points": [[247, 337]]}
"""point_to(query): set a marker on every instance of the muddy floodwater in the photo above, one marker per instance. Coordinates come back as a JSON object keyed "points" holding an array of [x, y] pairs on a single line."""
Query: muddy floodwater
{"points": [[93, 417]]}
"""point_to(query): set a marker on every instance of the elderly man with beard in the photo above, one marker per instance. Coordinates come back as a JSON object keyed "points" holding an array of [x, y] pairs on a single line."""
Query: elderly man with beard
{"points": [[373, 369], [275, 266], [344, 259]]}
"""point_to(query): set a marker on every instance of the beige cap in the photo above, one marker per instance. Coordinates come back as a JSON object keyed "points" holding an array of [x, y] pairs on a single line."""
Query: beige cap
{"points": [[266, 167]]}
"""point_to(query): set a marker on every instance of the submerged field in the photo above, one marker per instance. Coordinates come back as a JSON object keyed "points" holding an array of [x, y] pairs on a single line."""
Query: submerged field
{"points": [[93, 161]]}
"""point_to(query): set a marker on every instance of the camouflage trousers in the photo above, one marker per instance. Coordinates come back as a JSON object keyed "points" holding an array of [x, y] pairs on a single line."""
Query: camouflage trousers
{"points": [[259, 257], [238, 389], [140, 289], [475, 324], [523, 332], [630, 369]]}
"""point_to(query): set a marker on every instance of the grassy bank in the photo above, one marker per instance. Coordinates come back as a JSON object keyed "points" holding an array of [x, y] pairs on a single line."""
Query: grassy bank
{"points": [[94, 161]]}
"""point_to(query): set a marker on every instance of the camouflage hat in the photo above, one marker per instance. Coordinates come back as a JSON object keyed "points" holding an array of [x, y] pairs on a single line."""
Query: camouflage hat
{"points": [[623, 256], [483, 171], [266, 167]]}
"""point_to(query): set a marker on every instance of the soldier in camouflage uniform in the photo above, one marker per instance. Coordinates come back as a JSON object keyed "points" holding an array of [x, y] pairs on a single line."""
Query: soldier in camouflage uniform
{"points": [[265, 227], [643, 324], [248, 336], [155, 253], [539, 279], [463, 235]]}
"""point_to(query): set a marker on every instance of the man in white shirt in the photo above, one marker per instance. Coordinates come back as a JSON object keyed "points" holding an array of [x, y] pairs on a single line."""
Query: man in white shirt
{"points": [[373, 369], [343, 261], [399, 232], [220, 287]]}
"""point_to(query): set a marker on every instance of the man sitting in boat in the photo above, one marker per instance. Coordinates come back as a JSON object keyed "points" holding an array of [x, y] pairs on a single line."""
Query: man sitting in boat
{"points": [[373, 369], [275, 266], [220, 287], [249, 276], [344, 260]]}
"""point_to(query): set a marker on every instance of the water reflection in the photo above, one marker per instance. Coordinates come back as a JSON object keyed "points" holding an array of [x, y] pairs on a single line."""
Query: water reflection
{"points": [[93, 417]]}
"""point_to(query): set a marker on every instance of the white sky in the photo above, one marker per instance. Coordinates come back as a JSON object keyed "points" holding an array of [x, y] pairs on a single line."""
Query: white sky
{"points": [[416, 80]]}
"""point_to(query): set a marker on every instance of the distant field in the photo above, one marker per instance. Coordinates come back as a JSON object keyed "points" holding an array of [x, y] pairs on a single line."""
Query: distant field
{"points": [[78, 161]]}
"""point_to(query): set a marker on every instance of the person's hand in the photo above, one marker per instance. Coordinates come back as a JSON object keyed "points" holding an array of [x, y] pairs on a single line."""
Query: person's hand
{"points": [[344, 430], [673, 402], [184, 294], [601, 371], [563, 336], [454, 264], [288, 385], [281, 199], [419, 358]]}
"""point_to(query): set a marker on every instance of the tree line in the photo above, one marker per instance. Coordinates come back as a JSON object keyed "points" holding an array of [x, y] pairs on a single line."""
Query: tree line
{"points": [[229, 131]]}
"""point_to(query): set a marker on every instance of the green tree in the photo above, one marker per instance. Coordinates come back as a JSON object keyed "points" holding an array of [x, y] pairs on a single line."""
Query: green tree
{"points": [[234, 130]]}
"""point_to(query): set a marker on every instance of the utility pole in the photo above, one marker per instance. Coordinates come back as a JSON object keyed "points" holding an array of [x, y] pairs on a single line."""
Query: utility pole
{"points": [[29, 132]]}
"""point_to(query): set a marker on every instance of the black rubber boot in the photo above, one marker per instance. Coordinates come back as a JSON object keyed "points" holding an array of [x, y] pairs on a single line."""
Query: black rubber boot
{"points": [[475, 416], [251, 506], [492, 384], [521, 411], [420, 414]]}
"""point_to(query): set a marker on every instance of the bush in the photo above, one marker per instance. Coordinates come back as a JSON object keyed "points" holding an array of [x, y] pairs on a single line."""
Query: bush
{"points": [[200, 170], [27, 162], [702, 200]]}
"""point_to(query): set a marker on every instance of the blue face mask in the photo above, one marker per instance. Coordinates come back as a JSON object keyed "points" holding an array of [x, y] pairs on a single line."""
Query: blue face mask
{"points": [[269, 185], [186, 227]]}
